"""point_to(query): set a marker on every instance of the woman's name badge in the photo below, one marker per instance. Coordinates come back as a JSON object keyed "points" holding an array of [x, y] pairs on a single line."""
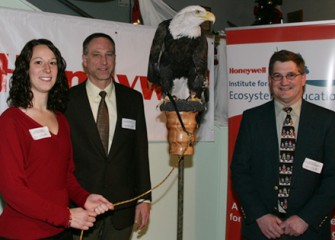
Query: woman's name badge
{"points": [[40, 133]]}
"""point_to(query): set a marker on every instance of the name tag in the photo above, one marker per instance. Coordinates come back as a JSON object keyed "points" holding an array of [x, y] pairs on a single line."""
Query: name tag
{"points": [[40, 133], [312, 165], [128, 123]]}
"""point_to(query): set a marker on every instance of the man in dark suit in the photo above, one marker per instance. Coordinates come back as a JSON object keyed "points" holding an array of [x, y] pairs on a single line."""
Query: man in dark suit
{"points": [[256, 165], [119, 170]]}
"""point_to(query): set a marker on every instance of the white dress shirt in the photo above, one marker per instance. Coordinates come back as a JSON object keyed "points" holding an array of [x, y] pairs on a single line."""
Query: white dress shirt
{"points": [[94, 99]]}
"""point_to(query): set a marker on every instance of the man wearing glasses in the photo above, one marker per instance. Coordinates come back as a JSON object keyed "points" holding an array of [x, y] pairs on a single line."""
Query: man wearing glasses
{"points": [[283, 167]]}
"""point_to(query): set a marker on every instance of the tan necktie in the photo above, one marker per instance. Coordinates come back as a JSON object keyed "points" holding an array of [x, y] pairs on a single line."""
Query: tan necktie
{"points": [[103, 121], [287, 147]]}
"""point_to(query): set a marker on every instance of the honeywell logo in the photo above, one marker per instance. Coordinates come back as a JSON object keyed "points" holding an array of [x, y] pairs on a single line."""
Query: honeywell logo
{"points": [[247, 71]]}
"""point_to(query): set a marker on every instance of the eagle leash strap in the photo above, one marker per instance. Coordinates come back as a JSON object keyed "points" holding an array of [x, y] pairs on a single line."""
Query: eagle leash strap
{"points": [[177, 111]]}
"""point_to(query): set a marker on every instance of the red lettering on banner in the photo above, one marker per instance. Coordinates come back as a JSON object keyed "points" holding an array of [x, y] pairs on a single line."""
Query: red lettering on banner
{"points": [[146, 90], [4, 71], [79, 75], [247, 71], [123, 79]]}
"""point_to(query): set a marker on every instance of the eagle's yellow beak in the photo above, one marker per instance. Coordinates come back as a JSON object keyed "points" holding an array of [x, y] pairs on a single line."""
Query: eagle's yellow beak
{"points": [[209, 17]]}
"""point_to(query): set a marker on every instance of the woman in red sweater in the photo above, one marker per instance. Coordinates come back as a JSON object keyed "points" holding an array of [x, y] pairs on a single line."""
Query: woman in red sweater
{"points": [[36, 165]]}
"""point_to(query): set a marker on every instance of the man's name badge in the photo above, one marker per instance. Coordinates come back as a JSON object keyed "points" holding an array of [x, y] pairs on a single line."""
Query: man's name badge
{"points": [[128, 123], [40, 133], [312, 165]]}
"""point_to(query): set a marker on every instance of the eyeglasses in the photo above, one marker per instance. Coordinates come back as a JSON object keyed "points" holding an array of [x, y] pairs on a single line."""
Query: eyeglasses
{"points": [[289, 76]]}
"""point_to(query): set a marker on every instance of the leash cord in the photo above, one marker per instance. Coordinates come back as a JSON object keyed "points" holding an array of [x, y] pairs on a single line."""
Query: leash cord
{"points": [[137, 197]]}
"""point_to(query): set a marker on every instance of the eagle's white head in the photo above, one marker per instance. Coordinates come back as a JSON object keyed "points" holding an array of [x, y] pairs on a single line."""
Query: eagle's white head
{"points": [[186, 23]]}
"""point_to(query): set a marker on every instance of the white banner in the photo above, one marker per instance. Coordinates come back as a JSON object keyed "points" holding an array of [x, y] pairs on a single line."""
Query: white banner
{"points": [[133, 44]]}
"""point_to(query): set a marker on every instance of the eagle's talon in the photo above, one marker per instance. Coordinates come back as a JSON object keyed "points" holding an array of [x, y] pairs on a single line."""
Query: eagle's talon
{"points": [[194, 99], [166, 99], [160, 104]]}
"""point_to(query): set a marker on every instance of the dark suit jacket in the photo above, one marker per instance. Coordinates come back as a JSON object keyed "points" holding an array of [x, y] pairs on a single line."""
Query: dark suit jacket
{"points": [[255, 166], [122, 175]]}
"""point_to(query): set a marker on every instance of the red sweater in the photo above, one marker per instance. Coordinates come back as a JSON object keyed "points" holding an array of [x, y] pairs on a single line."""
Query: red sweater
{"points": [[36, 178]]}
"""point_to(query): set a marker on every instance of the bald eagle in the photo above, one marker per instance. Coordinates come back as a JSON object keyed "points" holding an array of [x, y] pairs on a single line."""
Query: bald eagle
{"points": [[178, 54]]}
